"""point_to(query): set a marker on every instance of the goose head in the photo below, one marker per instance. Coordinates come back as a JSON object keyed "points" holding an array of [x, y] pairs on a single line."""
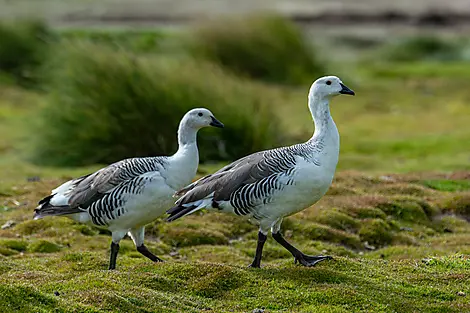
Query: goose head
{"points": [[329, 86], [201, 117]]}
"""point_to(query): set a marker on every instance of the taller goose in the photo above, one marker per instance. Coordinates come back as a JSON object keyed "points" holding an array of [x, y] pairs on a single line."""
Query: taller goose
{"points": [[127, 195], [269, 185]]}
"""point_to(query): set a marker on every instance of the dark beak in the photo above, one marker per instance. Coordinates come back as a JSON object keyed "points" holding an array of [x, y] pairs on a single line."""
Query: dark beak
{"points": [[216, 123], [346, 91]]}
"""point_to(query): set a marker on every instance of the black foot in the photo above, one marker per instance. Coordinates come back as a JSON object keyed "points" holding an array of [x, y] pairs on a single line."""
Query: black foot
{"points": [[143, 249], [254, 265], [307, 260]]}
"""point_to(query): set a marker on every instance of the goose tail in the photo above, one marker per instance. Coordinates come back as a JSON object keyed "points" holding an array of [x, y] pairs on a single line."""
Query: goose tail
{"points": [[186, 209]]}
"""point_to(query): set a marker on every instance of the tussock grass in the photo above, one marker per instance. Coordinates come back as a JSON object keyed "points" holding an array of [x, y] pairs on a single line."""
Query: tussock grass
{"points": [[132, 106], [421, 48], [268, 48], [23, 49]]}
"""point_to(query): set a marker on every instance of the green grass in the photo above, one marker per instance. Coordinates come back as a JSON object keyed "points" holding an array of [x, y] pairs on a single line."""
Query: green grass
{"points": [[419, 258], [344, 285]]}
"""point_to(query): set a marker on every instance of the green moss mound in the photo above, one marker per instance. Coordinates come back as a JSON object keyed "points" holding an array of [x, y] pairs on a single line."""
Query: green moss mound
{"points": [[44, 246], [375, 232]]}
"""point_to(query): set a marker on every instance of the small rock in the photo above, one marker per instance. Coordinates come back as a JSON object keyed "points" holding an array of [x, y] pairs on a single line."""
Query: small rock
{"points": [[461, 293], [387, 178], [8, 224], [34, 179], [427, 261], [258, 310], [368, 246], [174, 253], [361, 253], [406, 228], [56, 293], [324, 251], [235, 240]]}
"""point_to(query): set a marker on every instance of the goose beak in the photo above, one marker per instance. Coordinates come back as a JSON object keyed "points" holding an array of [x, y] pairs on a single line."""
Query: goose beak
{"points": [[346, 91], [216, 123]]}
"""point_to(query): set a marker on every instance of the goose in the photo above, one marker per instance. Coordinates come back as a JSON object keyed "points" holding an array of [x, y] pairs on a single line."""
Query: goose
{"points": [[125, 196], [269, 185]]}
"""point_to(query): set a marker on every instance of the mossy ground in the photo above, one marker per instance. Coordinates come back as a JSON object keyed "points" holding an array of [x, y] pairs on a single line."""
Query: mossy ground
{"points": [[395, 251]]}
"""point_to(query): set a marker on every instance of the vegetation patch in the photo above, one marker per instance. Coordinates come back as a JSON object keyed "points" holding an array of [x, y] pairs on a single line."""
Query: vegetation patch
{"points": [[315, 231], [375, 232], [447, 185], [181, 236], [458, 204], [405, 209], [269, 48], [404, 189], [23, 47], [16, 245], [44, 246], [423, 48], [337, 219], [366, 212], [133, 105]]}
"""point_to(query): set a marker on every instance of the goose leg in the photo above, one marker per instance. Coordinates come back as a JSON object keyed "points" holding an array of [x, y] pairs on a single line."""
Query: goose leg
{"points": [[113, 255], [305, 260], [116, 238], [259, 250], [137, 236]]}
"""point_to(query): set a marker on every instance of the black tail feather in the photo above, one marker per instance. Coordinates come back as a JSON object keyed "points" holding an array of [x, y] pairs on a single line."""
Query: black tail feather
{"points": [[45, 208], [46, 199], [178, 211]]}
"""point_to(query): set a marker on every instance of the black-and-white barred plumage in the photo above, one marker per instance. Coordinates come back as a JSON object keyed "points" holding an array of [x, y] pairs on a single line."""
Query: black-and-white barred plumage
{"points": [[127, 195], [101, 194], [250, 181], [270, 185], [281, 163], [112, 205]]}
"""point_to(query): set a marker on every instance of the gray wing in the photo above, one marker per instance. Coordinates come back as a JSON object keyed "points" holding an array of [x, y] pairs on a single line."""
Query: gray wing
{"points": [[245, 182], [93, 186], [110, 206]]}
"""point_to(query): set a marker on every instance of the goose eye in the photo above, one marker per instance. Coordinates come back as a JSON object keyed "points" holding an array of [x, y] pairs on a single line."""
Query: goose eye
{"points": [[199, 114], [328, 82]]}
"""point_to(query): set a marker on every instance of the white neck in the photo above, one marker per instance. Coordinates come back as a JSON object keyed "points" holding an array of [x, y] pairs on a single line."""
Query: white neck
{"points": [[320, 109], [184, 163], [186, 134]]}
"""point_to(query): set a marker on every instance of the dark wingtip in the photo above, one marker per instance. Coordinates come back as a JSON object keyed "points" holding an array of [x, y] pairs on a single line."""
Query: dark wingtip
{"points": [[177, 212], [46, 199]]}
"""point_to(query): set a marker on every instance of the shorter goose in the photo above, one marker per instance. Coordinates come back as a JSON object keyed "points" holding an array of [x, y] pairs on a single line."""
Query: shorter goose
{"points": [[269, 185], [127, 195]]}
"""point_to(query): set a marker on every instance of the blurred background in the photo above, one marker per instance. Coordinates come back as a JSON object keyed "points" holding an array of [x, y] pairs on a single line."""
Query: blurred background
{"points": [[90, 82], [86, 83]]}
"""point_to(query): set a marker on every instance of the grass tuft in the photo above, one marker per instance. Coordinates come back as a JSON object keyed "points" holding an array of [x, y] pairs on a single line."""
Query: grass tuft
{"points": [[268, 48], [458, 204], [375, 232], [132, 107], [44, 246], [421, 48], [23, 48]]}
